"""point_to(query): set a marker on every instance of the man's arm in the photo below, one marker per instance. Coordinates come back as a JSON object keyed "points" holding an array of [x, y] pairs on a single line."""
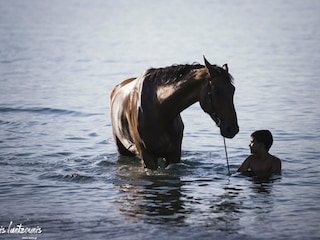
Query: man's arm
{"points": [[245, 168], [245, 165]]}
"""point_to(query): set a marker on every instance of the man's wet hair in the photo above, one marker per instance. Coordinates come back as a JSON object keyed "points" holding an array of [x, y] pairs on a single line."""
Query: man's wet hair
{"points": [[263, 136]]}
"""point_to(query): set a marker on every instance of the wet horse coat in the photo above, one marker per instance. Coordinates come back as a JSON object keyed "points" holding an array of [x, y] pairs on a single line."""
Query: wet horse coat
{"points": [[145, 111]]}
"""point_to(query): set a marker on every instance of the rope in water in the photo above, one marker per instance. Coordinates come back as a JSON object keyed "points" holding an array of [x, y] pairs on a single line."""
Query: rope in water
{"points": [[225, 149]]}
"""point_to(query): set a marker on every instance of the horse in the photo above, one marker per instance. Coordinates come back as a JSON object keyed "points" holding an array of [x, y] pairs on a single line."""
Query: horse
{"points": [[145, 111]]}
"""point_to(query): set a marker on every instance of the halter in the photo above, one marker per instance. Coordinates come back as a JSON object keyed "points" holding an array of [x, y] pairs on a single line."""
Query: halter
{"points": [[216, 119], [210, 97]]}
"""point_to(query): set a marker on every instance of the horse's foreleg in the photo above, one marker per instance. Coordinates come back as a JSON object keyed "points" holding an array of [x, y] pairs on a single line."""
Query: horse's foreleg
{"points": [[150, 161], [176, 134], [173, 157]]}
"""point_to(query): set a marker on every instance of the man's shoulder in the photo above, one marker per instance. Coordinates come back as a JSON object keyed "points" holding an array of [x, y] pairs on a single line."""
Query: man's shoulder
{"points": [[251, 157], [276, 164], [274, 158]]}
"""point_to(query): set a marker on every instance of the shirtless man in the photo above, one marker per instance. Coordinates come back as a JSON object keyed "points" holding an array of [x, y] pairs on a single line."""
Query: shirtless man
{"points": [[261, 163]]}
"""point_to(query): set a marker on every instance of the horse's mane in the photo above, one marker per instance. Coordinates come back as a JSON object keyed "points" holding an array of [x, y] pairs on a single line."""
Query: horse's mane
{"points": [[171, 74], [175, 73]]}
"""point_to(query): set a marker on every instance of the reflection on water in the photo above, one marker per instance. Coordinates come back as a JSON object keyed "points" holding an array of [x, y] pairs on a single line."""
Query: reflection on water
{"points": [[156, 202], [166, 196], [179, 195], [153, 198]]}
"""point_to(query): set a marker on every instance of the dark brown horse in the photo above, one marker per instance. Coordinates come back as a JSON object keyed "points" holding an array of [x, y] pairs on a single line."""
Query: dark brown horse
{"points": [[145, 111]]}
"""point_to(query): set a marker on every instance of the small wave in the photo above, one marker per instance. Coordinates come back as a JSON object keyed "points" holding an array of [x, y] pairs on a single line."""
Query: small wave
{"points": [[14, 60], [106, 163], [72, 177], [45, 110], [77, 177]]}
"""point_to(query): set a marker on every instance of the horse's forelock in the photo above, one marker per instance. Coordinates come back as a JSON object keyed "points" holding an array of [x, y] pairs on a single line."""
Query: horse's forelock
{"points": [[218, 72], [223, 72]]}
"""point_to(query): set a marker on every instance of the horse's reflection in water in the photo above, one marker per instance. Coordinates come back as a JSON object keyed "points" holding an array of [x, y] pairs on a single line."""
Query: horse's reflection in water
{"points": [[165, 196], [154, 198]]}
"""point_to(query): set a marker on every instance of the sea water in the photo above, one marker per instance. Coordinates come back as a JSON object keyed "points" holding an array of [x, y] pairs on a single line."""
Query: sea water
{"points": [[60, 174]]}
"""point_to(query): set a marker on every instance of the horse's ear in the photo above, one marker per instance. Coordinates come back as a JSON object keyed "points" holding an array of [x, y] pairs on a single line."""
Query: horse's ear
{"points": [[225, 67], [208, 65]]}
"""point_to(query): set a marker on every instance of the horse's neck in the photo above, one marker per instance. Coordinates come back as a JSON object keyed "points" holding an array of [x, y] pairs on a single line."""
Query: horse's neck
{"points": [[174, 99]]}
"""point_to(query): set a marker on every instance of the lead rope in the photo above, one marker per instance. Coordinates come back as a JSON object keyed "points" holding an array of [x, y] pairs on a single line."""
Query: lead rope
{"points": [[225, 149], [218, 123]]}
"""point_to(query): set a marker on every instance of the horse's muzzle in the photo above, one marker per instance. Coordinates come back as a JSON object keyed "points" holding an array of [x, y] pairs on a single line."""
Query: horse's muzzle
{"points": [[229, 131]]}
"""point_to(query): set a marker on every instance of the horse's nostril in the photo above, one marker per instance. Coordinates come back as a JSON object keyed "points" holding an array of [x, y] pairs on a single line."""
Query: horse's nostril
{"points": [[229, 131]]}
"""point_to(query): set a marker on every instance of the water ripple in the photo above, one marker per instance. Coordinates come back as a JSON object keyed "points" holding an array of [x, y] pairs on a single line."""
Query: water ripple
{"points": [[45, 110], [72, 177]]}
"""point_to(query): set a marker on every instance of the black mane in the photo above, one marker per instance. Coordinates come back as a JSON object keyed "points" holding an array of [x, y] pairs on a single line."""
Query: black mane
{"points": [[170, 74], [175, 73]]}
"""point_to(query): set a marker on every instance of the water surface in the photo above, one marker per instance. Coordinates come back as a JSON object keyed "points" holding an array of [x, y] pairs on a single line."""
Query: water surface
{"points": [[59, 167]]}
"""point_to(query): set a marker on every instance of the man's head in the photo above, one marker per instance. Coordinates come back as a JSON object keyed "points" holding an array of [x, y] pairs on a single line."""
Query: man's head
{"points": [[263, 136]]}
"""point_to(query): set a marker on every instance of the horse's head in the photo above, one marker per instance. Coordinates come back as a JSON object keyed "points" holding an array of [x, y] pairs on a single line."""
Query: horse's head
{"points": [[216, 99]]}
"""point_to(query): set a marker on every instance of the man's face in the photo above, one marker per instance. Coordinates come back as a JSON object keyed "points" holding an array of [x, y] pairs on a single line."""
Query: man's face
{"points": [[254, 146]]}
